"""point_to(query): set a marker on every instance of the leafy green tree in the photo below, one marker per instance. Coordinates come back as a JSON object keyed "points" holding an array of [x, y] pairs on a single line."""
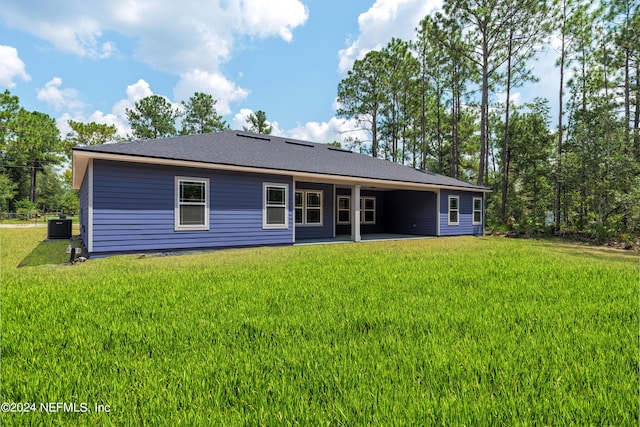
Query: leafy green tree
{"points": [[622, 19], [88, 134], [432, 73], [9, 107], [400, 81], [153, 117], [201, 116], [7, 192], [600, 174], [489, 25], [526, 31], [258, 123], [361, 95], [50, 190], [451, 72], [36, 144], [561, 9], [532, 144], [70, 201]]}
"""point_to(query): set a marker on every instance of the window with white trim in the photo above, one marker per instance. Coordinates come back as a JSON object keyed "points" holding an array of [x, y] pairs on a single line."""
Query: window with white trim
{"points": [[191, 203], [344, 209], [299, 213], [477, 211], [454, 210], [308, 207], [275, 212], [367, 210]]}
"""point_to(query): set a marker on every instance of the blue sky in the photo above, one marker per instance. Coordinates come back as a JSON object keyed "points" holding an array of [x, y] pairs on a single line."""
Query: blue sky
{"points": [[89, 61]]}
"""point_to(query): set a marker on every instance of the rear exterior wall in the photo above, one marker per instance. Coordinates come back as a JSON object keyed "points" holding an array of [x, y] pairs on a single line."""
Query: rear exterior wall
{"points": [[465, 224], [133, 209], [326, 229]]}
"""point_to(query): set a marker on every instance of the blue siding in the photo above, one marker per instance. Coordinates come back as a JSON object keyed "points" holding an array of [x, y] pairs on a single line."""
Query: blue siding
{"points": [[84, 210], [312, 231], [465, 226], [133, 209], [411, 212]]}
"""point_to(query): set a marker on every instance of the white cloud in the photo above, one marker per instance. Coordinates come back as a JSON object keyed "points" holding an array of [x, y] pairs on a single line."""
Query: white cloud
{"points": [[171, 36], [117, 117], [119, 121], [122, 125], [335, 129], [11, 66], [240, 118], [514, 97], [279, 17], [137, 91], [63, 124], [222, 90], [59, 98], [70, 32], [383, 21]]}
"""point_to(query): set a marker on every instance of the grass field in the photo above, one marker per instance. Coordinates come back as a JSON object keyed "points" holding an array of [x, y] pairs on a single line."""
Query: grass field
{"points": [[450, 331]]}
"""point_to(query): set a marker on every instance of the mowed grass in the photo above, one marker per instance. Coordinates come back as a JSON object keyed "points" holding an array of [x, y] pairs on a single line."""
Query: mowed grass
{"points": [[449, 331]]}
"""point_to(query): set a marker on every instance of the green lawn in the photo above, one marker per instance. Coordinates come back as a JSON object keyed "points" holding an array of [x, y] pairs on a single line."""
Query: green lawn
{"points": [[449, 331]]}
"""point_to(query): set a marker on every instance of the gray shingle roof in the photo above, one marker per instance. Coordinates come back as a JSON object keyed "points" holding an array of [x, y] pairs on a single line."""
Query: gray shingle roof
{"points": [[237, 148]]}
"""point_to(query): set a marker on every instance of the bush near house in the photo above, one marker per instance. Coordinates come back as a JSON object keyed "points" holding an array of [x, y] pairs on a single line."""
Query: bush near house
{"points": [[448, 331]]}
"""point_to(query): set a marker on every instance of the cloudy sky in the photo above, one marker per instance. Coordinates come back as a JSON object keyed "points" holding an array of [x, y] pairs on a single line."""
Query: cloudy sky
{"points": [[90, 60]]}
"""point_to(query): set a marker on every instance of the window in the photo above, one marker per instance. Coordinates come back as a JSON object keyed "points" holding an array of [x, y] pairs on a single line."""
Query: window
{"points": [[309, 207], [299, 207], [344, 210], [274, 214], [314, 207], [191, 206], [454, 210], [477, 211], [368, 210]]}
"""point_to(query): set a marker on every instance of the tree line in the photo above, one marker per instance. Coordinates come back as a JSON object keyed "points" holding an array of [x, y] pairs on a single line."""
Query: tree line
{"points": [[433, 103]]}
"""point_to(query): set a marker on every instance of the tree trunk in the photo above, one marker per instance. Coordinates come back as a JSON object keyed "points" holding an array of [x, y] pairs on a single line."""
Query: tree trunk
{"points": [[583, 155], [423, 125], [439, 133], [560, 131], [484, 116], [32, 189], [455, 135], [636, 121], [374, 135], [506, 153], [627, 103]]}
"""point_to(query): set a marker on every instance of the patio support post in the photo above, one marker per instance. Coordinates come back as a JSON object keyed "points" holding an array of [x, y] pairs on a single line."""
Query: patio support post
{"points": [[355, 213]]}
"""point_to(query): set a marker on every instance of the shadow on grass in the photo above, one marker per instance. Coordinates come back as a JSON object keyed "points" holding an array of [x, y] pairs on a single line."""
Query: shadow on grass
{"points": [[47, 252]]}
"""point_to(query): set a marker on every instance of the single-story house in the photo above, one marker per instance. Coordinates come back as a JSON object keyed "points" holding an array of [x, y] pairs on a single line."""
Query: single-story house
{"points": [[234, 189]]}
